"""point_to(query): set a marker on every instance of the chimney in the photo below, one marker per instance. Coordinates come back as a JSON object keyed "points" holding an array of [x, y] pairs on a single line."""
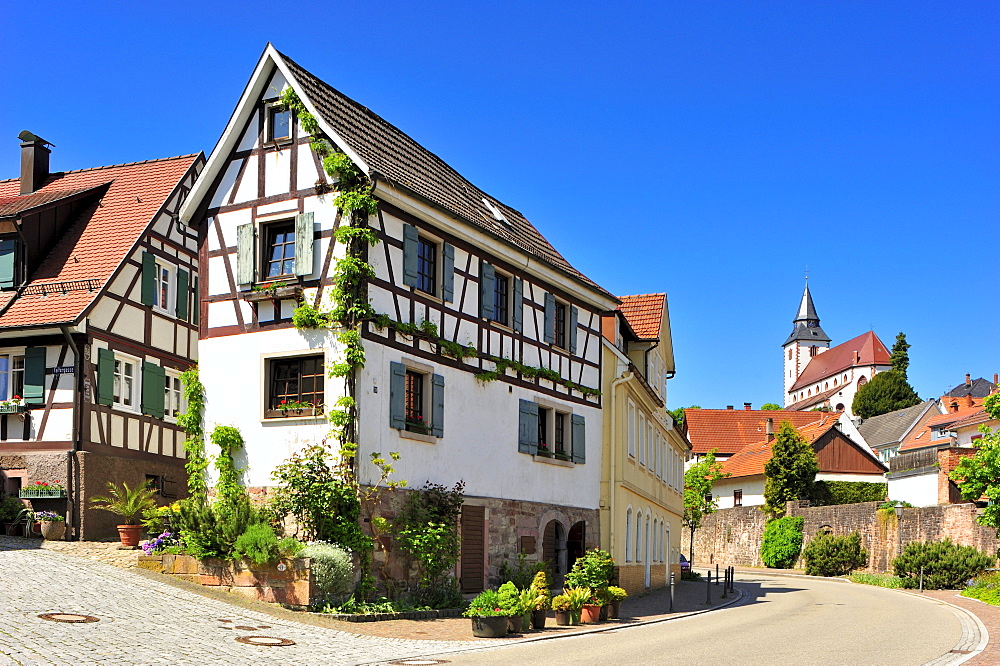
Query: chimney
{"points": [[995, 378], [968, 400], [954, 406], [729, 406], [747, 406], [968, 379], [34, 161], [769, 429]]}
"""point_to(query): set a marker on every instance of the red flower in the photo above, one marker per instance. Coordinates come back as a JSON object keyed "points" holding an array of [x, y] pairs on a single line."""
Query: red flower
{"points": [[17, 397], [420, 418]]}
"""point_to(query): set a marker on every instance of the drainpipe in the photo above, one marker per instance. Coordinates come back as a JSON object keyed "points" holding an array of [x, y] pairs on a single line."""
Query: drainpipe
{"points": [[73, 490], [613, 487]]}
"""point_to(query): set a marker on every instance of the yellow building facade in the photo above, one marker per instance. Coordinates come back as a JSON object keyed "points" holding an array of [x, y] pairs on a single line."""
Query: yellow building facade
{"points": [[642, 481]]}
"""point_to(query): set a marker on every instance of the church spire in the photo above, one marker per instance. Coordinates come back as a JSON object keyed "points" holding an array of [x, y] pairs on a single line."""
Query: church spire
{"points": [[806, 326]]}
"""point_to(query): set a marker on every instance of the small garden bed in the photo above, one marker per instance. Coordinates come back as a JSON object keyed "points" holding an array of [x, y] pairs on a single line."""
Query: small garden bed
{"points": [[400, 615]]}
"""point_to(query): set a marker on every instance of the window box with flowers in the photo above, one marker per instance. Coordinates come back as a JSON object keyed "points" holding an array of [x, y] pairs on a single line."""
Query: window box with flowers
{"points": [[13, 406], [42, 490], [417, 424], [287, 409]]}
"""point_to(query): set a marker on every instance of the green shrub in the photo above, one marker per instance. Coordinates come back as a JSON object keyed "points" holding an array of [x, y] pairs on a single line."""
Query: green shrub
{"points": [[257, 544], [890, 505], [521, 573], [593, 569], [947, 565], [829, 555], [828, 493], [985, 587], [207, 531], [290, 547], [877, 579], [333, 570], [9, 508], [509, 599], [782, 542], [486, 604]]}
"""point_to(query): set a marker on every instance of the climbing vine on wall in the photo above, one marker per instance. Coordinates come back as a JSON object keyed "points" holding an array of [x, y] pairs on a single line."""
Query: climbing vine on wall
{"points": [[191, 422]]}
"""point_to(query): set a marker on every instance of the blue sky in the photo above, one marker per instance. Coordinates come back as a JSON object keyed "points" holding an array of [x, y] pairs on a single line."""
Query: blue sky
{"points": [[710, 150]]}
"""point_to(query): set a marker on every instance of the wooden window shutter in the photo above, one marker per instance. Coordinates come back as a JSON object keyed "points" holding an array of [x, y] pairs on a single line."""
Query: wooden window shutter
{"points": [[34, 375], [183, 294], [473, 556], [148, 278], [574, 316], [448, 273], [550, 318], [8, 260], [527, 427], [487, 285], [246, 255], [517, 306], [152, 389], [437, 405], [170, 488], [579, 439], [195, 303], [397, 396], [304, 244], [105, 376], [409, 255]]}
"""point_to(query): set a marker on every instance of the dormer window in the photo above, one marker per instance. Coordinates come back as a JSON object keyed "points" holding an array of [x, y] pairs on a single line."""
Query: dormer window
{"points": [[9, 264], [279, 123]]}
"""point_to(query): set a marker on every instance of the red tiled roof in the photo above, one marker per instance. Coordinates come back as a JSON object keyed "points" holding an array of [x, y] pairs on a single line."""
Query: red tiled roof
{"points": [[922, 438], [644, 313], [95, 244], [20, 204], [750, 460], [842, 357], [814, 400], [973, 419], [730, 430]]}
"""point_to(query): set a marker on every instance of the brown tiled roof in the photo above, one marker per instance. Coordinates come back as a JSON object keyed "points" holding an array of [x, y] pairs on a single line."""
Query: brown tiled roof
{"points": [[730, 430], [816, 399], [644, 314], [21, 203], [96, 243], [750, 460], [842, 357], [397, 158], [922, 438]]}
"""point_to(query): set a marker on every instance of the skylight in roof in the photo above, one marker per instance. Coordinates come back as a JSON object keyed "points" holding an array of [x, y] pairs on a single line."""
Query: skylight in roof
{"points": [[497, 215]]}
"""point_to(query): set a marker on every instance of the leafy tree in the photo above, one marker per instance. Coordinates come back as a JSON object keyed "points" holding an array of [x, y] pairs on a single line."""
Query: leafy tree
{"points": [[698, 500], [791, 471], [886, 392], [899, 358], [979, 475], [678, 414], [782, 542], [770, 406]]}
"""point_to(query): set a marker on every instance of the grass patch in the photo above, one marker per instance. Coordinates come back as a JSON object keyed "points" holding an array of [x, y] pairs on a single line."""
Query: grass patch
{"points": [[877, 579], [985, 587]]}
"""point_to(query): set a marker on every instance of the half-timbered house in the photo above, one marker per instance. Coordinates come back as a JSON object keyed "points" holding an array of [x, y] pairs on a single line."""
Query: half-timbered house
{"points": [[453, 261], [97, 280]]}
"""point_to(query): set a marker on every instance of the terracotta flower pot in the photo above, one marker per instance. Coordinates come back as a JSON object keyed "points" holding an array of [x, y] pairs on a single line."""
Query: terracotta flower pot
{"points": [[591, 614], [130, 535], [538, 619], [53, 530], [489, 627]]}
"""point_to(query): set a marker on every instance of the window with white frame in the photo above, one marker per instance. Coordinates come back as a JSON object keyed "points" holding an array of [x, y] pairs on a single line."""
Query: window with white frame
{"points": [[642, 439], [628, 535], [173, 395], [163, 294], [631, 429], [11, 376], [638, 537], [126, 382]]}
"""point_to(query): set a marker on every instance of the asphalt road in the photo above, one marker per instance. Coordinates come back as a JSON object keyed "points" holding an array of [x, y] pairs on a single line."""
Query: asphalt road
{"points": [[782, 621]]}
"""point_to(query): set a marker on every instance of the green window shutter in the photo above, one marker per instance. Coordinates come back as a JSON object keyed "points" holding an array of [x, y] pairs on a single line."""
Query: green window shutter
{"points": [[152, 389], [487, 287], [246, 256], [409, 255], [105, 377], [304, 244], [448, 273], [34, 375], [437, 405], [579, 439], [148, 278], [196, 303], [183, 294], [8, 259], [397, 396], [550, 319], [527, 427], [517, 307], [574, 316]]}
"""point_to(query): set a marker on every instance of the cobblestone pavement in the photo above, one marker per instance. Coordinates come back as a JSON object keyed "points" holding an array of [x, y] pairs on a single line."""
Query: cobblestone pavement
{"points": [[102, 551], [145, 621]]}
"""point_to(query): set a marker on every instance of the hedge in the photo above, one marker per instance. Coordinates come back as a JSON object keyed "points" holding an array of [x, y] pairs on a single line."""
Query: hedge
{"points": [[829, 493]]}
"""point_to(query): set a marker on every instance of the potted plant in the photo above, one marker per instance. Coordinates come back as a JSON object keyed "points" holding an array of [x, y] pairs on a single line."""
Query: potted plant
{"points": [[488, 621], [563, 610], [543, 600], [509, 601], [616, 595], [527, 600], [53, 525], [42, 489], [577, 596], [129, 503]]}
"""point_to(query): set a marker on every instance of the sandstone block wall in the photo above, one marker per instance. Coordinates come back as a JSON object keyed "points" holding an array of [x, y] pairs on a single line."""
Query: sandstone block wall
{"points": [[284, 582]]}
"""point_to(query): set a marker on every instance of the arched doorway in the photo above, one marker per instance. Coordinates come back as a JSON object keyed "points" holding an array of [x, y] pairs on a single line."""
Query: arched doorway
{"points": [[554, 551], [648, 554], [576, 544]]}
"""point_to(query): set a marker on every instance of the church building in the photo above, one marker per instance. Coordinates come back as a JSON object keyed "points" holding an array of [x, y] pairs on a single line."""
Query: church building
{"points": [[818, 376]]}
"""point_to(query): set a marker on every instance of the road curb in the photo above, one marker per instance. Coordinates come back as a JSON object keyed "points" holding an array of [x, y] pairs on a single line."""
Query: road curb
{"points": [[740, 596], [975, 635]]}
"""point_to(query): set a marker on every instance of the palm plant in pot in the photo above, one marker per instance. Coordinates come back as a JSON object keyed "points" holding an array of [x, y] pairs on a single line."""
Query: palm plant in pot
{"points": [[129, 503], [488, 619], [543, 600]]}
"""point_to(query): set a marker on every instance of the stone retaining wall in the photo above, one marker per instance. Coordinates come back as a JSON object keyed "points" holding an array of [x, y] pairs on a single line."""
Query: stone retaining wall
{"points": [[733, 536], [286, 582]]}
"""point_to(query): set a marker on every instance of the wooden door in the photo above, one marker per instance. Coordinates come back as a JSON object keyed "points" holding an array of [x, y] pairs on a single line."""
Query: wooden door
{"points": [[473, 549]]}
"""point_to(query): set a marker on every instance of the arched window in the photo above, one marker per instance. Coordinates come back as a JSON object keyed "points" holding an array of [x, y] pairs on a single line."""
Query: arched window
{"points": [[638, 536], [664, 544], [862, 381], [654, 543], [789, 353], [813, 351], [826, 385], [628, 535], [834, 382]]}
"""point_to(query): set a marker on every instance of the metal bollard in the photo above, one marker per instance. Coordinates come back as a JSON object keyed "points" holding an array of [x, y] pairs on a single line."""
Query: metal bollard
{"points": [[716, 573], [732, 579], [672, 591], [708, 588]]}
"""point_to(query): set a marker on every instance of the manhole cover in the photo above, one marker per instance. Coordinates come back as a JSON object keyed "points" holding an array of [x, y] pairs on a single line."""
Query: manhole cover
{"points": [[269, 641], [72, 618]]}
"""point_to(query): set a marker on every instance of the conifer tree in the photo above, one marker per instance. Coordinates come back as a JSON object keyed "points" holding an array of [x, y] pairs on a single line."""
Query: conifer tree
{"points": [[887, 391]]}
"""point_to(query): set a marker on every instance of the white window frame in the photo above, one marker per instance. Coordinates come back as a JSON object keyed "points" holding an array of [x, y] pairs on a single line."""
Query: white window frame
{"points": [[13, 356], [637, 542], [631, 429], [269, 123], [642, 439], [170, 278], [119, 380], [497, 273], [628, 534], [550, 427], [173, 395]]}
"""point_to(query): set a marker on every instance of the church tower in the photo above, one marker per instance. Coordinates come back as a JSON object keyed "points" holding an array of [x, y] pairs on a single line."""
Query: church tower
{"points": [[806, 341]]}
